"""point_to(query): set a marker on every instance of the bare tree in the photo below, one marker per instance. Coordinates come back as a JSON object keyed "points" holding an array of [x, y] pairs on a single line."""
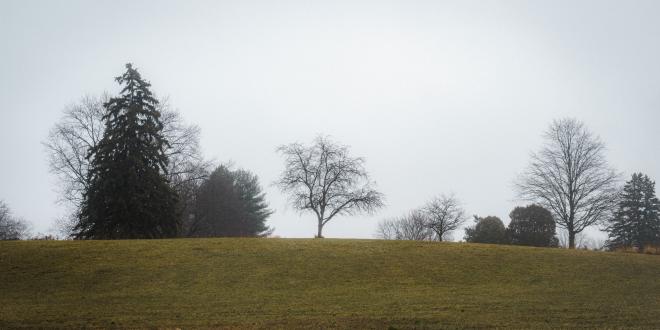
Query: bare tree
{"points": [[324, 179], [571, 177], [12, 228], [82, 127], [582, 241], [444, 215], [413, 226]]}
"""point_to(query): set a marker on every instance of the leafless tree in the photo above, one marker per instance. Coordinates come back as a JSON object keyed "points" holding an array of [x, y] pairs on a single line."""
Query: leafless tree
{"points": [[82, 127], [68, 143], [413, 226], [571, 177], [12, 228], [444, 215], [324, 179], [582, 241]]}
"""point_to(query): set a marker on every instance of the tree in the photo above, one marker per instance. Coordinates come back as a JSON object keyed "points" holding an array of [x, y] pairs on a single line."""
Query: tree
{"points": [[81, 128], [486, 230], [413, 226], [128, 195], [324, 179], [582, 241], [532, 225], [571, 178], [11, 228], [637, 220], [444, 215], [230, 203]]}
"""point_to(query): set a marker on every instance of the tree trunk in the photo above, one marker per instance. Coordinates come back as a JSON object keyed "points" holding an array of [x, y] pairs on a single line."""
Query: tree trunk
{"points": [[320, 231], [571, 239]]}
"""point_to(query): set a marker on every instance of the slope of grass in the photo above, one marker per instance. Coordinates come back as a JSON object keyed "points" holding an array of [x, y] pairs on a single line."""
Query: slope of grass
{"points": [[287, 283]]}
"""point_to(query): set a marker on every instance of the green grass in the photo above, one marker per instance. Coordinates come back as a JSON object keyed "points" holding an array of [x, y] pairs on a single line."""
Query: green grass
{"points": [[284, 283]]}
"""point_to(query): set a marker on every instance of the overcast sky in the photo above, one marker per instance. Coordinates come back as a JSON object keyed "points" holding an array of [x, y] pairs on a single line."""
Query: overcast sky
{"points": [[437, 96]]}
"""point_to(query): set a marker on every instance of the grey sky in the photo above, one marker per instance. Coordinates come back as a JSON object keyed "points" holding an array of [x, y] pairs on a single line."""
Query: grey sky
{"points": [[438, 96]]}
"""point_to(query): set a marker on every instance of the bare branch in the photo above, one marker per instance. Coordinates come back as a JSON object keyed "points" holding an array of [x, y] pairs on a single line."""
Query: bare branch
{"points": [[324, 179], [11, 227], [570, 177], [444, 215], [413, 226], [82, 127]]}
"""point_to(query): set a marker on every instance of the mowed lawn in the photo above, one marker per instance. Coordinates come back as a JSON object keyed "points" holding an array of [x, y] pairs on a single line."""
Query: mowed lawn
{"points": [[284, 283]]}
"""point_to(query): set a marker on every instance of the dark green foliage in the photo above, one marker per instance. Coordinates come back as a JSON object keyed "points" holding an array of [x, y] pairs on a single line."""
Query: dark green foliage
{"points": [[531, 225], [230, 203], [637, 221], [128, 195], [486, 230]]}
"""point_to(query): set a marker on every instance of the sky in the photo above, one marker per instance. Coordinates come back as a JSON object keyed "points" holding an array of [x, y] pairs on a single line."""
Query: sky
{"points": [[437, 96]]}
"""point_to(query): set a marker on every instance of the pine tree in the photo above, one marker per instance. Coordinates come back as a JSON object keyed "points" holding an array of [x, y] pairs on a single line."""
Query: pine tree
{"points": [[637, 220], [230, 203], [128, 195]]}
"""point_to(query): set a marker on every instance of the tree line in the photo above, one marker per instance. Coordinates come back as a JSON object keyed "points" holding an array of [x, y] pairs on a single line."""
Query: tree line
{"points": [[130, 167], [570, 185]]}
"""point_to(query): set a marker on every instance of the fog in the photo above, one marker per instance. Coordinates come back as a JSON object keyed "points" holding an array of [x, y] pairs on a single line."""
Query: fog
{"points": [[437, 96]]}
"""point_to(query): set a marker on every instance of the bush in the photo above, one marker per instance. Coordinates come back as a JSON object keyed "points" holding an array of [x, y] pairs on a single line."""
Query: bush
{"points": [[486, 230], [532, 225]]}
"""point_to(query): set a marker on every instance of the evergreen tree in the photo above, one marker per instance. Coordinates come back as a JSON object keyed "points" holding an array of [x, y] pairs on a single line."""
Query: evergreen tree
{"points": [[489, 230], [128, 195], [230, 203], [637, 220], [531, 225]]}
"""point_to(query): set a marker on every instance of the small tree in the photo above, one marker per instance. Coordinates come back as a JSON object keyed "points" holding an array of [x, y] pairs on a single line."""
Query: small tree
{"points": [[230, 203], [324, 179], [11, 228], [128, 195], [637, 220], [571, 178], [532, 225], [413, 226], [444, 215], [486, 230]]}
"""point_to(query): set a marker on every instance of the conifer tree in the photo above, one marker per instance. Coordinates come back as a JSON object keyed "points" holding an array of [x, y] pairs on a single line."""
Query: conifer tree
{"points": [[230, 203], [128, 195], [637, 220]]}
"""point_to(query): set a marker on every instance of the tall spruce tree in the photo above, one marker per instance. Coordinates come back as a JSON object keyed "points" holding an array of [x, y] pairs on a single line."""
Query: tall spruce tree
{"points": [[637, 220], [128, 195]]}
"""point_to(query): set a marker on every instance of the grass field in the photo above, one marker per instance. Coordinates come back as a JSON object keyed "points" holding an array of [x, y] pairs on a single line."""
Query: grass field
{"points": [[284, 283]]}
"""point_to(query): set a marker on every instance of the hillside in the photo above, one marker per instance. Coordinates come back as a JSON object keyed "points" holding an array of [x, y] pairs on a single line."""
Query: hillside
{"points": [[321, 283]]}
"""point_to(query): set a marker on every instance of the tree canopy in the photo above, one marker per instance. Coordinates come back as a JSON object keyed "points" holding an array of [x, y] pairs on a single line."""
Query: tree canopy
{"points": [[230, 203], [486, 230], [531, 225]]}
